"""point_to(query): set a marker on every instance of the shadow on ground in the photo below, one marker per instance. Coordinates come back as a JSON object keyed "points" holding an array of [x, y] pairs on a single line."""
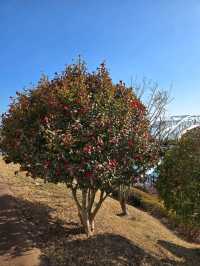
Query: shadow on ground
{"points": [[24, 225], [105, 249], [191, 256]]}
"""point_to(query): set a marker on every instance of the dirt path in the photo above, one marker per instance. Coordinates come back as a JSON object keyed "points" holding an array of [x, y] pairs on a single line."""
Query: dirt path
{"points": [[14, 234]]}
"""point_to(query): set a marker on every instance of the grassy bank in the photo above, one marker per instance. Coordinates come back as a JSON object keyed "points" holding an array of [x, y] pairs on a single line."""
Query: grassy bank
{"points": [[50, 215]]}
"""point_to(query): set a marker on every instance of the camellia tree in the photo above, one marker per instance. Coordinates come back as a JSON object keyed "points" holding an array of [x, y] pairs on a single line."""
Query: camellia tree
{"points": [[81, 129], [179, 179]]}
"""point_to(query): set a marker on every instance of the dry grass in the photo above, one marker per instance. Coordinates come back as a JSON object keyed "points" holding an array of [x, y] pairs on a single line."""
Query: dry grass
{"points": [[50, 215]]}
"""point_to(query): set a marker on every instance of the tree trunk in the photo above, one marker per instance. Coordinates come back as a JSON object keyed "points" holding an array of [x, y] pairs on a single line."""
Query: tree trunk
{"points": [[123, 195], [92, 225], [123, 203], [86, 209], [87, 223]]}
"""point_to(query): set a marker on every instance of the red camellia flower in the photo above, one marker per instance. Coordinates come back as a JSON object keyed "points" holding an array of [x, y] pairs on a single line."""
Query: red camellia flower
{"points": [[88, 149], [112, 163], [137, 105]]}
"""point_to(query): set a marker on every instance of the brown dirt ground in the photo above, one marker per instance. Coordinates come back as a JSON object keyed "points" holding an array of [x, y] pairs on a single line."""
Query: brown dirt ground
{"points": [[47, 225], [13, 233]]}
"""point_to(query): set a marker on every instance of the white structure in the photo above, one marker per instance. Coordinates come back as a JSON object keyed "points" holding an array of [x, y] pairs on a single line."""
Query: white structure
{"points": [[175, 126]]}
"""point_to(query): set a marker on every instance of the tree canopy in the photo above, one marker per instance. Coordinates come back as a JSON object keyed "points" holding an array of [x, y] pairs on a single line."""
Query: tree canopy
{"points": [[81, 129]]}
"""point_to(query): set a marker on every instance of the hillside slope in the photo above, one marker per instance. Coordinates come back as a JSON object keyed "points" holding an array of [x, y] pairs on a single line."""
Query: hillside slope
{"points": [[49, 214]]}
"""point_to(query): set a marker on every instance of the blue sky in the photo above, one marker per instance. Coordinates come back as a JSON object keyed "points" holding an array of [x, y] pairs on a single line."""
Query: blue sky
{"points": [[159, 40]]}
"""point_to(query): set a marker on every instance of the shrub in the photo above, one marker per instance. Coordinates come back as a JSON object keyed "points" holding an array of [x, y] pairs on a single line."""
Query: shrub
{"points": [[179, 179]]}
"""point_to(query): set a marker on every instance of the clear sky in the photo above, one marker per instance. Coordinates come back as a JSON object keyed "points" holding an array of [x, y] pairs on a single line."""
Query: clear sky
{"points": [[156, 39]]}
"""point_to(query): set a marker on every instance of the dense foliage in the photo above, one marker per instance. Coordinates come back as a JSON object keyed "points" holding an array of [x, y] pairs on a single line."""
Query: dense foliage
{"points": [[179, 178], [81, 129]]}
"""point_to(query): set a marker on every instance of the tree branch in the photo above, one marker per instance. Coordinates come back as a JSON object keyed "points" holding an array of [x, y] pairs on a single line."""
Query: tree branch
{"points": [[102, 198], [74, 191], [92, 198]]}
